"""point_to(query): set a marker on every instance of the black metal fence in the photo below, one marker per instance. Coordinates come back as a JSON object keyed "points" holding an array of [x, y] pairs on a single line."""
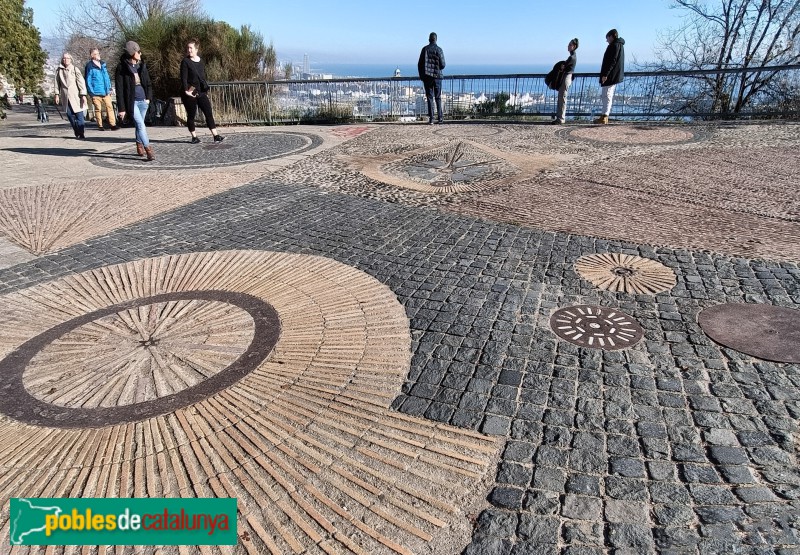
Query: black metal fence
{"points": [[665, 95]]}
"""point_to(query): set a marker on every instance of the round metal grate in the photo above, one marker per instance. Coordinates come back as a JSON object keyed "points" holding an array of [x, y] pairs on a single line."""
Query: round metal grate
{"points": [[596, 327], [759, 330]]}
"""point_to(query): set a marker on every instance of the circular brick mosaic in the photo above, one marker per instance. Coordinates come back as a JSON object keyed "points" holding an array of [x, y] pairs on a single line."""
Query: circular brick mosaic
{"points": [[238, 148], [759, 330], [453, 168], [632, 134], [137, 359], [302, 435], [467, 131], [596, 327], [625, 273]]}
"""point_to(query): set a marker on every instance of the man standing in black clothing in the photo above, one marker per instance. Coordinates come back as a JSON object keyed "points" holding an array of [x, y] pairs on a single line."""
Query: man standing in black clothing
{"points": [[430, 66], [612, 72]]}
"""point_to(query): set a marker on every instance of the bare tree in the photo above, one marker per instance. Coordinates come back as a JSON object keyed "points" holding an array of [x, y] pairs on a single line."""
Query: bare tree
{"points": [[106, 21], [733, 34]]}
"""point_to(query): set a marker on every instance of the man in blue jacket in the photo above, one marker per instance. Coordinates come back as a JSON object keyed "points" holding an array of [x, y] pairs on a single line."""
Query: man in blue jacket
{"points": [[430, 66], [98, 85]]}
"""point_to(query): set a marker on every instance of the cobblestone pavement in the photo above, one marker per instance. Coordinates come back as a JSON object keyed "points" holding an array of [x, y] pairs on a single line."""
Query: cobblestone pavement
{"points": [[674, 445]]}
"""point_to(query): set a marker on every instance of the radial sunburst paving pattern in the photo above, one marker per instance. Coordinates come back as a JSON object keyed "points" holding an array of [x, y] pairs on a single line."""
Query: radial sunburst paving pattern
{"points": [[139, 354], [625, 273], [249, 374], [46, 218]]}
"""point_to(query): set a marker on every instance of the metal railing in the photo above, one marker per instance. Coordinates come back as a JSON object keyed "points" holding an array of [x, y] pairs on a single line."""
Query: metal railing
{"points": [[644, 95]]}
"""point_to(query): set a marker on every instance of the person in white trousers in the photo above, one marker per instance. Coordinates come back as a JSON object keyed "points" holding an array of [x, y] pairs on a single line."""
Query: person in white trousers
{"points": [[612, 72]]}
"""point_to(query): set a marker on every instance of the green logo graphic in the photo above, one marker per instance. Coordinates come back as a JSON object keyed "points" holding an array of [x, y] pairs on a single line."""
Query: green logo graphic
{"points": [[104, 521]]}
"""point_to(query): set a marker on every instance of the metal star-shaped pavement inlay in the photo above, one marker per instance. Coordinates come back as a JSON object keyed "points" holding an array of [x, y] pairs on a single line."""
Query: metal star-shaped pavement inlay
{"points": [[452, 168]]}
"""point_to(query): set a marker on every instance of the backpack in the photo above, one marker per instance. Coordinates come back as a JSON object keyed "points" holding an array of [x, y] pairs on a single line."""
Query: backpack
{"points": [[555, 78]]}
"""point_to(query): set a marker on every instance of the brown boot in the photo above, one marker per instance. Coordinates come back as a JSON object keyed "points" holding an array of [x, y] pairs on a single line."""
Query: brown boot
{"points": [[602, 120], [150, 155], [140, 149]]}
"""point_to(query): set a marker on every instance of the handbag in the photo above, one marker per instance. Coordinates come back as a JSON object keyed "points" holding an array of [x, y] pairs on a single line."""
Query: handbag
{"points": [[555, 78]]}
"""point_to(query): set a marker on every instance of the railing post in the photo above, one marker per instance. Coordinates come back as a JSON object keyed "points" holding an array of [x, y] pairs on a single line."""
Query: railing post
{"points": [[269, 102]]}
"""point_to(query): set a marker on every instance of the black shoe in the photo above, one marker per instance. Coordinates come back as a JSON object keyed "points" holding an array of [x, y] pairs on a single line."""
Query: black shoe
{"points": [[195, 141], [441, 121], [101, 128], [218, 138], [115, 127]]}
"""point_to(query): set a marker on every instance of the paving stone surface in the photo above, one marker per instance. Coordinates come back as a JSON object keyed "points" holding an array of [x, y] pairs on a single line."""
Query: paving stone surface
{"points": [[675, 445]]}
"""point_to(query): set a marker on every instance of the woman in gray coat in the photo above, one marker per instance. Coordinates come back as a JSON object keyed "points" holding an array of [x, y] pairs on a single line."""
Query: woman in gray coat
{"points": [[71, 93]]}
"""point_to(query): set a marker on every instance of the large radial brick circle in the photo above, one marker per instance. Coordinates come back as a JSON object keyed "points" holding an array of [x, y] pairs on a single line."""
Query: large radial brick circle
{"points": [[137, 359], [236, 149], [304, 356], [144, 351], [632, 134]]}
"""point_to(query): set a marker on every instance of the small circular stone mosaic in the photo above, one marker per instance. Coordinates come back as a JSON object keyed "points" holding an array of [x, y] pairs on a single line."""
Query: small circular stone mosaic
{"points": [[625, 273], [457, 167], [759, 330], [467, 131], [596, 327], [238, 148], [632, 134]]}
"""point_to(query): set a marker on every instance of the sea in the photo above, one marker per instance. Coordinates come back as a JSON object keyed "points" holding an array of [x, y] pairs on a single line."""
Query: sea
{"points": [[410, 70]]}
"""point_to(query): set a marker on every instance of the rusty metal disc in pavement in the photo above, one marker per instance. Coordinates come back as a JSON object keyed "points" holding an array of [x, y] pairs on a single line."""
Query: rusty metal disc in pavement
{"points": [[759, 330]]}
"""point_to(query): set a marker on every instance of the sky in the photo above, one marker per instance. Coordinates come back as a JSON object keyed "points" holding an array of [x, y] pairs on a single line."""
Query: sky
{"points": [[512, 32]]}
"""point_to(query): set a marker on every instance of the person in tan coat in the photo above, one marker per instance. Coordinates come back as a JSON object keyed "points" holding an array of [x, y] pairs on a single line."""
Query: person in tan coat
{"points": [[71, 93]]}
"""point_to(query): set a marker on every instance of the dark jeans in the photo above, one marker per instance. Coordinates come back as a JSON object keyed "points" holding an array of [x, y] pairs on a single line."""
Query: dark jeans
{"points": [[76, 121], [192, 103], [433, 90]]}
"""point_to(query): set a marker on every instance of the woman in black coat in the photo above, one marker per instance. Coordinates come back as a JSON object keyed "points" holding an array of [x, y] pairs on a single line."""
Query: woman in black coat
{"points": [[195, 91], [134, 93], [612, 72]]}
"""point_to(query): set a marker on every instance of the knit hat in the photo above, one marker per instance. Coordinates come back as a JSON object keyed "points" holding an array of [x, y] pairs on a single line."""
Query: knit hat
{"points": [[132, 47]]}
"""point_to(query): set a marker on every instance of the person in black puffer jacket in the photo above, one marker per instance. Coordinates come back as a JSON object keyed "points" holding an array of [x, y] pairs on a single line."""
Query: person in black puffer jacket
{"points": [[195, 91], [134, 93], [612, 72], [429, 67]]}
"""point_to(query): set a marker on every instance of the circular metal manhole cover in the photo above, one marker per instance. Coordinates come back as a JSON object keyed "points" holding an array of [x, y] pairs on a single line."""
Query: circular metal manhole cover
{"points": [[613, 271], [759, 330], [597, 327]]}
